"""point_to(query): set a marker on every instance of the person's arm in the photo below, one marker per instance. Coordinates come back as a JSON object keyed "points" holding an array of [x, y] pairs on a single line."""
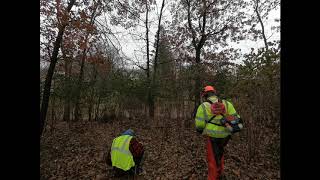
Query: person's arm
{"points": [[231, 110], [108, 158], [200, 120], [136, 148]]}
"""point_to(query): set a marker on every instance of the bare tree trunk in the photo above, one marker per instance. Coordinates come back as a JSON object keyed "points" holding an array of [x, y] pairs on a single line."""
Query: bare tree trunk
{"points": [[198, 46], [97, 110], [67, 108], [52, 114], [67, 102], [77, 112], [89, 112], [197, 79], [261, 23], [91, 101], [91, 104], [53, 61], [83, 58], [268, 58], [152, 97]]}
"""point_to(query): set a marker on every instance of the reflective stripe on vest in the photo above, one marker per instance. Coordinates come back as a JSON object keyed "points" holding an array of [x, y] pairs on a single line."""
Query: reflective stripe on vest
{"points": [[217, 132], [200, 119], [123, 148]]}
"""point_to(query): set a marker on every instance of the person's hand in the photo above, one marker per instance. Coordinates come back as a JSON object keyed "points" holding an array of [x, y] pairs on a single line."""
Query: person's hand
{"points": [[199, 131]]}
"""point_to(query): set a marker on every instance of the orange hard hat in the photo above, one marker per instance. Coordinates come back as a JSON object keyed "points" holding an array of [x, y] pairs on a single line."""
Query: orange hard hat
{"points": [[209, 88]]}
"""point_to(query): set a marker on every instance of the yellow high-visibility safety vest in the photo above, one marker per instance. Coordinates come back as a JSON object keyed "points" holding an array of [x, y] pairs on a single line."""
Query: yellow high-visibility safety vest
{"points": [[121, 156], [204, 114]]}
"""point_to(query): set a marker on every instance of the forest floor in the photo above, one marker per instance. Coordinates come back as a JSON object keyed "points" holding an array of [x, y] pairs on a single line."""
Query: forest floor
{"points": [[76, 151]]}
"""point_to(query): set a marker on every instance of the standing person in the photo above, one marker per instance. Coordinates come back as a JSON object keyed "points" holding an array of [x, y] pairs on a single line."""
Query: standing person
{"points": [[217, 120], [126, 154]]}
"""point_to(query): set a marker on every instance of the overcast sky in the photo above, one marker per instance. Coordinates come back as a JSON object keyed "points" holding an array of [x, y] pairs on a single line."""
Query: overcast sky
{"points": [[130, 46]]}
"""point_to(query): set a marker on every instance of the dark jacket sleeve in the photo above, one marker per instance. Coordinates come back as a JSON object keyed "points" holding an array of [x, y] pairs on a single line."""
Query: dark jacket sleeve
{"points": [[108, 158], [136, 148]]}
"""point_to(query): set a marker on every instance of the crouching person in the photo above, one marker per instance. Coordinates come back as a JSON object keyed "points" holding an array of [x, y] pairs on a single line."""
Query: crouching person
{"points": [[126, 154]]}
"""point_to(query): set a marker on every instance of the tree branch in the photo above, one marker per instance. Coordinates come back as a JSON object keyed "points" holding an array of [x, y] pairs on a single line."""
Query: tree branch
{"points": [[190, 25], [128, 10], [204, 16], [261, 23], [157, 44], [217, 32]]}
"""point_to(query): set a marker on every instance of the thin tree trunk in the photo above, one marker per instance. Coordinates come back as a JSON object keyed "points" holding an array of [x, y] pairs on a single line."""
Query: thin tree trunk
{"points": [[77, 112], [97, 110], [268, 58], [89, 111], [197, 79], [198, 46], [67, 102], [53, 61], [83, 58], [66, 112], [90, 106], [261, 23], [150, 95], [147, 39], [52, 114], [91, 101], [151, 100]]}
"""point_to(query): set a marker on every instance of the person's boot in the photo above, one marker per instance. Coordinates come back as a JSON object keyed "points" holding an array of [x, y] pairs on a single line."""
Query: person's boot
{"points": [[222, 177], [140, 171]]}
